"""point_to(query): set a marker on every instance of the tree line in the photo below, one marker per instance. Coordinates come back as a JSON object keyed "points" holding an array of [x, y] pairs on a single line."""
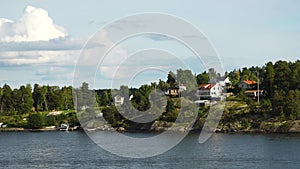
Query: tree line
{"points": [[279, 80], [41, 98], [281, 83]]}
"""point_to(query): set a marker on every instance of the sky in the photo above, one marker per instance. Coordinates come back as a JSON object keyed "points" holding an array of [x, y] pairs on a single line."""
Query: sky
{"points": [[41, 41]]}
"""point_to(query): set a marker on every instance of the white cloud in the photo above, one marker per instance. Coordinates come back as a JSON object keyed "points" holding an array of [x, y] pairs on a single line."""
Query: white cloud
{"points": [[66, 57], [67, 43], [34, 25]]}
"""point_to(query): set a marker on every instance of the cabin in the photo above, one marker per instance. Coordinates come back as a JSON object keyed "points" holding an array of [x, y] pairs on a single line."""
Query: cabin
{"points": [[118, 100], [248, 84], [175, 92]]}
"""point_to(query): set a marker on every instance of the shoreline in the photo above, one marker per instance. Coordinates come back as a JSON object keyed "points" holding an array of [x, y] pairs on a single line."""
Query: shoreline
{"points": [[254, 131], [32, 130]]}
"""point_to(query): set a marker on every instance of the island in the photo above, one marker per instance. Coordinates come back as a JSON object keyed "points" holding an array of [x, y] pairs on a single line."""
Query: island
{"points": [[257, 99]]}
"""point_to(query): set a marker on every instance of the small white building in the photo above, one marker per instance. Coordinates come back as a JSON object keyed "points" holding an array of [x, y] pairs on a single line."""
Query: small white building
{"points": [[99, 115], [118, 100], [85, 107], [210, 91]]}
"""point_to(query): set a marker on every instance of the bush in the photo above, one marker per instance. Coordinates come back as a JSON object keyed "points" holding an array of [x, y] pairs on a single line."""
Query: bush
{"points": [[35, 121]]}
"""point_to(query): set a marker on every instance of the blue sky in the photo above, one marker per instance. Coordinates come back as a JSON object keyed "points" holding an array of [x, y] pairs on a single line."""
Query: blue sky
{"points": [[244, 33]]}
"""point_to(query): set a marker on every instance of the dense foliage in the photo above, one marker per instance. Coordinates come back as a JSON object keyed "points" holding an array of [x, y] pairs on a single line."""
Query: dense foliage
{"points": [[281, 83], [28, 107]]}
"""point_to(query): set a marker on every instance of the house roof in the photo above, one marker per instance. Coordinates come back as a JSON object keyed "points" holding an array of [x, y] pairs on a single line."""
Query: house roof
{"points": [[249, 82], [206, 86], [252, 91]]}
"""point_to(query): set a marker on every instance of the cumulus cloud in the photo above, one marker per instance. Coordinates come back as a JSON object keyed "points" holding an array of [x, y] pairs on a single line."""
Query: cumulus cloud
{"points": [[34, 25], [35, 39]]}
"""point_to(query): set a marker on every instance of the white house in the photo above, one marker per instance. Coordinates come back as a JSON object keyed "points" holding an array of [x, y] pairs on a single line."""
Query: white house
{"points": [[118, 100], [224, 81], [210, 91]]}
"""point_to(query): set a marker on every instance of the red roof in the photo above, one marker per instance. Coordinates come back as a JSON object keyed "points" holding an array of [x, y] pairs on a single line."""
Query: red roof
{"points": [[249, 82], [206, 86]]}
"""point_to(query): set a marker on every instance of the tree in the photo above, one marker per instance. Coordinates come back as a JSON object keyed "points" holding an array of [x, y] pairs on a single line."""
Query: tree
{"points": [[171, 79], [269, 78], [235, 77], [212, 73], [295, 75], [6, 101], [266, 105], [292, 104], [187, 79], [202, 78], [44, 102], [54, 98], [162, 85], [35, 121], [171, 113], [278, 101], [170, 106], [40, 97], [245, 74], [67, 99], [26, 99], [37, 97], [141, 98], [282, 76]]}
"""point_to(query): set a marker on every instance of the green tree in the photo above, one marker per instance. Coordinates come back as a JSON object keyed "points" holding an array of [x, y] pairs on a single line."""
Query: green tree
{"points": [[35, 121], [295, 75], [268, 82], [245, 74], [40, 97], [171, 79], [186, 78], [170, 106], [202, 78], [278, 101], [54, 98], [26, 99], [67, 99], [162, 85], [37, 97], [282, 76], [292, 104], [7, 101]]}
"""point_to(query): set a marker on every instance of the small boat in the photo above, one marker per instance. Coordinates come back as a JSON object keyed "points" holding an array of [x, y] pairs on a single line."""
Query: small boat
{"points": [[64, 127], [91, 129]]}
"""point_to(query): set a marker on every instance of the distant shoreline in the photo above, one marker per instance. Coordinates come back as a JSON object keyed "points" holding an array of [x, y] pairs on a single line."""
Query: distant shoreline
{"points": [[254, 131], [31, 130]]}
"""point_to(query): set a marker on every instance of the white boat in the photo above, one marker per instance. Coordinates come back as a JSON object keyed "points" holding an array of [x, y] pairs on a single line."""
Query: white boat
{"points": [[91, 129], [64, 127]]}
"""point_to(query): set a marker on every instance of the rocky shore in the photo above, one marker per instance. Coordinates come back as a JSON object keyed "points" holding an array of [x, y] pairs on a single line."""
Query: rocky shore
{"points": [[158, 126], [264, 127]]}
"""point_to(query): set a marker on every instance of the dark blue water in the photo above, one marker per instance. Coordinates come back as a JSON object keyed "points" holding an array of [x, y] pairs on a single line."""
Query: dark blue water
{"points": [[76, 150]]}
